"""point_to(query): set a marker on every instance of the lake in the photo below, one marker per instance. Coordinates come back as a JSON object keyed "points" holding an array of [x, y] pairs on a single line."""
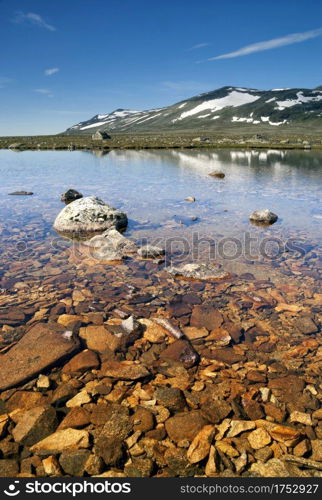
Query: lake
{"points": [[151, 187]]}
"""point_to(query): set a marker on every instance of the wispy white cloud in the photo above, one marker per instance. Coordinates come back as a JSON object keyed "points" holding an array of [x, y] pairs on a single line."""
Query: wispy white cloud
{"points": [[51, 71], [46, 92], [185, 86], [199, 46], [34, 19], [270, 44]]}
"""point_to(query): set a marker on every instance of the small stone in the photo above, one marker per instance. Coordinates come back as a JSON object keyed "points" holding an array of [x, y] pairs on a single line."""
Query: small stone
{"points": [[264, 216], [80, 399], [264, 454], [306, 325], [185, 425], [241, 462], [153, 332], [35, 425], [217, 174], [181, 351], [74, 462], [206, 316], [211, 467], [8, 468], [227, 449], [4, 421], [170, 397], [193, 333], [82, 362], [43, 382], [124, 370], [68, 319], [200, 445], [215, 410], [117, 422], [51, 466], [150, 252], [21, 193], [110, 449], [259, 438], [143, 420], [302, 448], [301, 418], [285, 435], [316, 449], [67, 439], [199, 271], [70, 195], [94, 465], [140, 467], [77, 418], [239, 426]]}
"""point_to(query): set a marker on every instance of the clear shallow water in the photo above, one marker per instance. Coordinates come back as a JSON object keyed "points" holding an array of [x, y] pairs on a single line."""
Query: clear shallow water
{"points": [[150, 186]]}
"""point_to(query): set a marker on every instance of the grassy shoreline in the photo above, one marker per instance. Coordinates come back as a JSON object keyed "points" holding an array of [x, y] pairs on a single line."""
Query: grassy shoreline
{"points": [[161, 141]]}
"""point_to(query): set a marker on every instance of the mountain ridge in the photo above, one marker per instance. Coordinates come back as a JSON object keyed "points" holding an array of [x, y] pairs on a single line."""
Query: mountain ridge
{"points": [[226, 107]]}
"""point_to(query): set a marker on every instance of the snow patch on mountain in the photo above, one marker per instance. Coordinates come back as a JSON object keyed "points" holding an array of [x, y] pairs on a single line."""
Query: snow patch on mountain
{"points": [[234, 99], [293, 102]]}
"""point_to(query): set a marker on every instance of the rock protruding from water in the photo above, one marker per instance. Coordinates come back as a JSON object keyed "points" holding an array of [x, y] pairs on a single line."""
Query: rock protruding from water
{"points": [[21, 193], [217, 174], [264, 216], [71, 195], [88, 215], [202, 271]]}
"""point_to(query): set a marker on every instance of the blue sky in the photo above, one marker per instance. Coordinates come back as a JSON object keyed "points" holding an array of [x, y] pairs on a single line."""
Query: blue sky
{"points": [[65, 61]]}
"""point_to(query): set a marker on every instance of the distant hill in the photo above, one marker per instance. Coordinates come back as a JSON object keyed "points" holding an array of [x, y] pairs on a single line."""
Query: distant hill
{"points": [[227, 108]]}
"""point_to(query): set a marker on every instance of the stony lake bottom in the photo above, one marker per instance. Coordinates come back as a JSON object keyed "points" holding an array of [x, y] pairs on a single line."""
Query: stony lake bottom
{"points": [[258, 329]]}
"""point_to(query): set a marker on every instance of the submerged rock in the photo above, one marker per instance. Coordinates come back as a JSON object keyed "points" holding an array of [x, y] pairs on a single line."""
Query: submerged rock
{"points": [[110, 245], [150, 252], [264, 216], [89, 215], [71, 195], [201, 271], [41, 347]]}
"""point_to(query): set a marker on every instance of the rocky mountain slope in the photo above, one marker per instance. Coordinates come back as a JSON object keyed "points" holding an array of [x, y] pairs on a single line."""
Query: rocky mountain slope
{"points": [[225, 108]]}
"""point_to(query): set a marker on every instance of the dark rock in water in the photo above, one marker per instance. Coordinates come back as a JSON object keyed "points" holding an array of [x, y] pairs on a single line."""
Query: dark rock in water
{"points": [[40, 348], [306, 325], [88, 215], [265, 217], [218, 175], [181, 351], [21, 193], [70, 195]]}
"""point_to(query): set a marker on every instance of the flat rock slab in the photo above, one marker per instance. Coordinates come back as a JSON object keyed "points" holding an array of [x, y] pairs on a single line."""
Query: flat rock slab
{"points": [[42, 347]]}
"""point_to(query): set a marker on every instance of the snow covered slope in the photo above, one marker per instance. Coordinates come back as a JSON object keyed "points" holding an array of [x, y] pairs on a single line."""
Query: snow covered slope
{"points": [[227, 107]]}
